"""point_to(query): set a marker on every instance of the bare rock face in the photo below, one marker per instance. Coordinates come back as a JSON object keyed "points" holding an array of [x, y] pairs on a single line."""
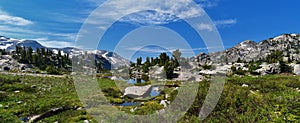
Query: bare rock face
{"points": [[269, 69], [137, 91], [7, 63]]}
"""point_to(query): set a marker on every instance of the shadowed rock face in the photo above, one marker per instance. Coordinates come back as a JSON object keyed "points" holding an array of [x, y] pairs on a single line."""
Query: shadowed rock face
{"points": [[138, 91]]}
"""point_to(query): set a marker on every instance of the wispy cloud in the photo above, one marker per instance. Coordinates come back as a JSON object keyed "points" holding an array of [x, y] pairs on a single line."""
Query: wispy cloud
{"points": [[163, 11], [64, 18], [205, 26], [217, 23], [207, 3], [17, 27], [23, 31], [55, 44], [148, 49], [170, 49], [5, 18], [225, 22]]}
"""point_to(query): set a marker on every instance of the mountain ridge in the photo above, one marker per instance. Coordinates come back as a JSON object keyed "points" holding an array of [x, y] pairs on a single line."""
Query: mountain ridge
{"points": [[250, 50], [109, 59]]}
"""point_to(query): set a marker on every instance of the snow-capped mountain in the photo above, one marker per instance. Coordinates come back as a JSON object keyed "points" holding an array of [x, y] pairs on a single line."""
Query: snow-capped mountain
{"points": [[250, 50], [9, 44], [107, 58]]}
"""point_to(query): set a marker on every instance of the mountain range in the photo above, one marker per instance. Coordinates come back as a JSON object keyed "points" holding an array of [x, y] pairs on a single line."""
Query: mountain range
{"points": [[247, 50], [108, 59]]}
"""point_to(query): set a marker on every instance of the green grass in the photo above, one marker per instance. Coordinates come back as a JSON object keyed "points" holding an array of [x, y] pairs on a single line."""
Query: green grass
{"points": [[37, 95], [271, 98]]}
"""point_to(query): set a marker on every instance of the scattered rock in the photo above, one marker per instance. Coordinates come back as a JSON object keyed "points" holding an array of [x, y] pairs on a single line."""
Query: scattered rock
{"points": [[166, 96], [133, 109], [6, 107], [86, 121], [19, 102], [176, 88], [33, 86], [245, 85], [164, 103]]}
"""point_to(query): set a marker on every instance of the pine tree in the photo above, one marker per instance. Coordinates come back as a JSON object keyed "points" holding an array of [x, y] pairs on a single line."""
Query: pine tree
{"points": [[139, 61], [29, 55]]}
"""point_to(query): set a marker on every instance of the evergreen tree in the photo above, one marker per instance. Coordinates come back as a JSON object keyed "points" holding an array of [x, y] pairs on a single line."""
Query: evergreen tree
{"points": [[29, 55], [139, 61]]}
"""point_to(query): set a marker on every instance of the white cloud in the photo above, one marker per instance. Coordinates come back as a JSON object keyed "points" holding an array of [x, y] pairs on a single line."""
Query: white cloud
{"points": [[165, 11], [5, 18], [225, 22]]}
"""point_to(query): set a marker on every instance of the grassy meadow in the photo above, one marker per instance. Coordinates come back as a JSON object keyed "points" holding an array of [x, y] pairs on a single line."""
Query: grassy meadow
{"points": [[272, 98]]}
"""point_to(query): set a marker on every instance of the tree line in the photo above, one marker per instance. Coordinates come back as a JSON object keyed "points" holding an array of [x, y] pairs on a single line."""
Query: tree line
{"points": [[44, 59]]}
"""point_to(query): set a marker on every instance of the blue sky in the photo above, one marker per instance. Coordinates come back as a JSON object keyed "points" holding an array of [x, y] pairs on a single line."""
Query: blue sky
{"points": [[56, 23]]}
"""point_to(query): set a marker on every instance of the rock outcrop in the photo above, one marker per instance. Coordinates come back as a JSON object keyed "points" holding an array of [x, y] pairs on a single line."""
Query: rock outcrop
{"points": [[138, 91]]}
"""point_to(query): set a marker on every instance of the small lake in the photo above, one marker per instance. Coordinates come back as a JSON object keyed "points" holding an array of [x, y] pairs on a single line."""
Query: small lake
{"points": [[154, 92], [129, 104], [135, 81]]}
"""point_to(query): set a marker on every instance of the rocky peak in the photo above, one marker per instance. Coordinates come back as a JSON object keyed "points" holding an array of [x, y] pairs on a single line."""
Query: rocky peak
{"points": [[248, 44]]}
